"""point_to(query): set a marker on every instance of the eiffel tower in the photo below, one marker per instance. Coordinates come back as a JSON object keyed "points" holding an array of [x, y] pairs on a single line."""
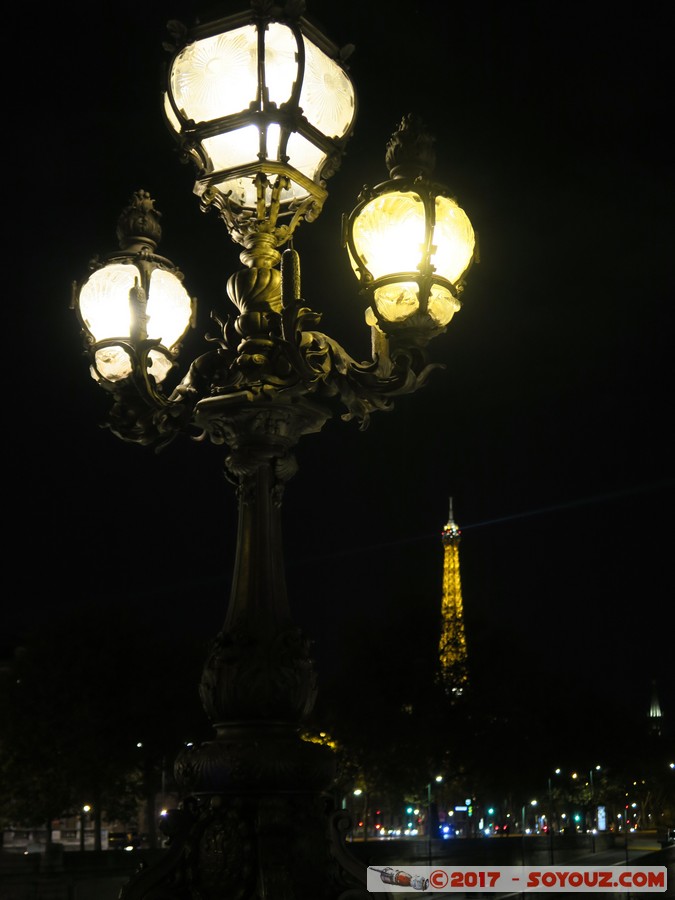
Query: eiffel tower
{"points": [[453, 670]]}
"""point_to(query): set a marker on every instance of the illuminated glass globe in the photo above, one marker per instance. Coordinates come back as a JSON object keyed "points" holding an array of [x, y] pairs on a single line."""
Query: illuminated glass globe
{"points": [[130, 303], [133, 307], [409, 243]]}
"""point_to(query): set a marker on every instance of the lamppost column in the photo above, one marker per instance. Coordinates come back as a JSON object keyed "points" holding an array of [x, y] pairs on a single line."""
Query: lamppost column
{"points": [[550, 821], [83, 824], [255, 805], [259, 669]]}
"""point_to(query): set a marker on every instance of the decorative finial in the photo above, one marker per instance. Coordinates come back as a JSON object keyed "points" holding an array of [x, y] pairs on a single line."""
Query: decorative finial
{"points": [[138, 225], [271, 9], [410, 151]]}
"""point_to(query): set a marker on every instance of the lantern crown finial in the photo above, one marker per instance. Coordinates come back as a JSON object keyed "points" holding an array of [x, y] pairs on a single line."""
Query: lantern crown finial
{"points": [[138, 225], [269, 9], [410, 151]]}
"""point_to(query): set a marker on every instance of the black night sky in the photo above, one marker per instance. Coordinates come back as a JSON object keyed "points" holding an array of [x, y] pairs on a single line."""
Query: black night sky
{"points": [[550, 427]]}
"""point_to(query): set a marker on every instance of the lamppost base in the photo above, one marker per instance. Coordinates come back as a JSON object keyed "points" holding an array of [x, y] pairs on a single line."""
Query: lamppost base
{"points": [[275, 845]]}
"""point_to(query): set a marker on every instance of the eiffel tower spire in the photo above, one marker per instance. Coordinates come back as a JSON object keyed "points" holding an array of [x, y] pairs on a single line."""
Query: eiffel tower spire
{"points": [[452, 650], [655, 714]]}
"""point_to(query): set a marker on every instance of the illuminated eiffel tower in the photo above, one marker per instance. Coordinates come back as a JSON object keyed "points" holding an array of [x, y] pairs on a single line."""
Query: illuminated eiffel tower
{"points": [[454, 674]]}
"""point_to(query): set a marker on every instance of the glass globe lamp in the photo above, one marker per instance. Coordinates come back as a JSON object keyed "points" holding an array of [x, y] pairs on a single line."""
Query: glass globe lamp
{"points": [[410, 243], [133, 307]]}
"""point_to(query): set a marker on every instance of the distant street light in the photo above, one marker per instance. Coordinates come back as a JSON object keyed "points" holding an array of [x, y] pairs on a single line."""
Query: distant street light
{"points": [[359, 792], [83, 821], [592, 790], [590, 778], [551, 808], [430, 824], [532, 803]]}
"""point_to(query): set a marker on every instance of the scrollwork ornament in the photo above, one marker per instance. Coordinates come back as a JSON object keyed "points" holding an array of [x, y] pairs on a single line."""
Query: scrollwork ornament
{"points": [[225, 864]]}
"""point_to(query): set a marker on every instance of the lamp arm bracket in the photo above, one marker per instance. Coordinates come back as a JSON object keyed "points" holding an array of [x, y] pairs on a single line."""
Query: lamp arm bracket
{"points": [[325, 367], [284, 360], [142, 413], [134, 419], [363, 387]]}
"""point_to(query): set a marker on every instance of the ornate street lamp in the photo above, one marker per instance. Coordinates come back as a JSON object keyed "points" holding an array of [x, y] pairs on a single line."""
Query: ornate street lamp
{"points": [[262, 104]]}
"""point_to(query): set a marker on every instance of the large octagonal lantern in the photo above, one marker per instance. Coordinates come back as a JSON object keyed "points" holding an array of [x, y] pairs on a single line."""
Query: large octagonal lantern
{"points": [[264, 107]]}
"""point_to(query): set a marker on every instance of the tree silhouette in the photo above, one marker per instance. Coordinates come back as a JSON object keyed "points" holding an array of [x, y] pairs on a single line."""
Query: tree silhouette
{"points": [[93, 704]]}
